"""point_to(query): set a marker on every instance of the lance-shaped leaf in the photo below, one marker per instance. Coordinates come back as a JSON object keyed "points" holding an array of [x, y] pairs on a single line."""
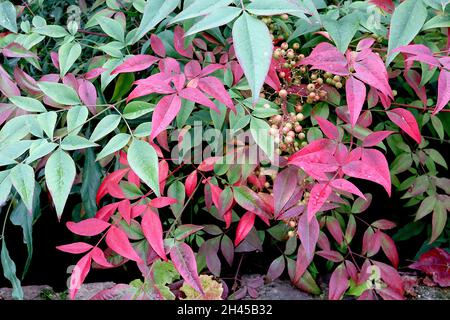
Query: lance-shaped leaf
{"points": [[375, 138], [195, 95], [118, 241], [443, 96], [434, 262], [355, 92], [253, 47], [8, 16], [301, 264], [88, 94], [328, 128], [244, 226], [152, 228], [59, 175], [327, 57], [215, 19], [308, 232], [338, 283], [59, 93], [154, 12], [115, 144], [406, 121], [347, 186], [22, 178], [249, 200], [284, 188], [318, 196], [215, 88], [389, 248], [75, 248], [191, 183], [68, 53], [406, 22], [183, 259], [276, 268], [143, 160], [105, 126], [260, 132], [199, 8], [343, 30], [275, 7], [165, 111], [79, 274], [89, 227], [9, 271], [112, 27], [335, 230], [136, 63]]}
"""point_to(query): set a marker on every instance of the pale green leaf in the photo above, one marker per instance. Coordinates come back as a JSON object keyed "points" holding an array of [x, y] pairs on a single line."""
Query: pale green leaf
{"points": [[275, 7], [28, 104], [136, 109], [74, 142], [105, 126], [9, 271], [68, 53], [116, 143], [5, 186], [59, 175], [406, 22], [8, 16], [59, 93], [22, 178], [143, 161], [260, 132], [52, 31], [112, 28], [253, 47], [47, 122], [76, 117], [343, 30], [40, 149], [439, 21], [215, 19], [200, 8]]}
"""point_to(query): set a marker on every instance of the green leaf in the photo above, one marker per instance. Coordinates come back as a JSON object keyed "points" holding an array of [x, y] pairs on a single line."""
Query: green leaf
{"points": [[91, 180], [21, 217], [253, 47], [5, 186], [275, 7], [115, 144], [22, 178], [439, 220], [437, 125], [343, 30], [218, 118], [105, 126], [47, 122], [260, 132], [41, 149], [154, 12], [76, 117], [74, 142], [123, 85], [9, 271], [200, 8], [406, 22], [112, 28], [144, 162], [436, 156], [215, 19], [8, 16], [137, 109], [51, 31], [68, 53], [439, 21], [177, 191], [28, 104], [425, 207], [59, 92], [59, 175]]}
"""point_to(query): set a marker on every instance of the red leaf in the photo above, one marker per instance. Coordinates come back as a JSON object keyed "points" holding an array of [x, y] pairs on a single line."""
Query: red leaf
{"points": [[355, 92], [215, 88], [383, 224], [208, 164], [406, 121], [99, 257], [329, 129], [371, 242], [75, 248], [107, 211], [389, 248], [135, 63], [178, 41], [276, 268], [165, 111], [283, 188], [371, 70], [112, 178], [308, 232], [334, 228], [195, 95], [301, 264], [435, 262], [191, 183], [89, 227], [328, 58], [162, 202], [153, 231], [390, 276], [124, 208], [413, 78], [25, 81], [94, 73], [183, 259], [386, 5], [227, 249], [192, 69], [79, 274], [375, 138], [338, 283], [318, 196], [361, 170], [55, 59], [331, 255], [443, 91], [347, 186], [157, 45], [88, 94], [15, 50], [117, 240], [390, 294], [163, 169], [7, 86], [244, 226]]}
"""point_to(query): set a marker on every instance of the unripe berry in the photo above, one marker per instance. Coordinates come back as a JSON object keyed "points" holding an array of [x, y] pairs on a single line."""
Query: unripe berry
{"points": [[288, 139], [327, 75], [278, 118], [284, 46], [291, 233], [286, 65], [299, 108], [292, 223], [319, 81], [273, 131], [337, 78], [283, 93], [284, 16], [298, 129], [322, 93], [266, 185], [338, 85], [291, 55], [304, 144], [280, 37], [312, 95], [282, 74], [309, 100], [288, 125], [329, 81], [291, 134], [302, 69], [301, 136], [296, 46], [394, 92], [314, 76], [285, 130], [300, 117], [311, 87]]}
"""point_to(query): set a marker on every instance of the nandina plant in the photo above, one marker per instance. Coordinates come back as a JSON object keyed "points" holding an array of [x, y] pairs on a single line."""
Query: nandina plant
{"points": [[219, 129]]}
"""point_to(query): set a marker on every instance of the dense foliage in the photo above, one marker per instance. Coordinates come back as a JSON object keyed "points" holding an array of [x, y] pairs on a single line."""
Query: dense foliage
{"points": [[191, 133]]}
